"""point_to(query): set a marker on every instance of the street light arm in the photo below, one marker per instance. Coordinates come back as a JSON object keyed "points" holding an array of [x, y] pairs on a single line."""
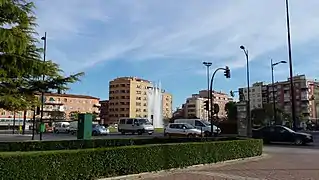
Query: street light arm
{"points": [[210, 92]]}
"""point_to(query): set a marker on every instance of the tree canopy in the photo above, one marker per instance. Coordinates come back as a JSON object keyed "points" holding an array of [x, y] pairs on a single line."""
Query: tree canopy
{"points": [[21, 64], [231, 110]]}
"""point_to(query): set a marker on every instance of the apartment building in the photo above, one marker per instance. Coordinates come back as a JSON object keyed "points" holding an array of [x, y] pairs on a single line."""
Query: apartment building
{"points": [[128, 98], [104, 112], [56, 107], [306, 95], [220, 98], [305, 90], [255, 93], [167, 105], [194, 107], [69, 103]]}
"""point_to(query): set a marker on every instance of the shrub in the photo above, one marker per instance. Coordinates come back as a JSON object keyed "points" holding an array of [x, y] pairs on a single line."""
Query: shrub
{"points": [[93, 143], [107, 162]]}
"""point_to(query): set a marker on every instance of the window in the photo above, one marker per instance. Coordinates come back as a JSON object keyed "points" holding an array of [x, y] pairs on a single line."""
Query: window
{"points": [[198, 123], [129, 121]]}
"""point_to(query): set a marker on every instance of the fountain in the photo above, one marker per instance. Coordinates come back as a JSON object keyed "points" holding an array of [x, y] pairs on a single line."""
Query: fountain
{"points": [[155, 112]]}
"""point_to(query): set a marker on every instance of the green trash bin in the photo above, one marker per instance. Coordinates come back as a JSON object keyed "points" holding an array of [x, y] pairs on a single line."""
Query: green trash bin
{"points": [[42, 127]]}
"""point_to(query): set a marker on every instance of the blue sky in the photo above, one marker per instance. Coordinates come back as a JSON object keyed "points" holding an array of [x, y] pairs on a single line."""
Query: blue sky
{"points": [[167, 41]]}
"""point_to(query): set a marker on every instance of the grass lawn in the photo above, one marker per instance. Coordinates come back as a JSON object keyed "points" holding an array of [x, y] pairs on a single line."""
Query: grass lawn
{"points": [[157, 130]]}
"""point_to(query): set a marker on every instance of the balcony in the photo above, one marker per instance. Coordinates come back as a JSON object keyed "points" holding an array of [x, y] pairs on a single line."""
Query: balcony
{"points": [[50, 109], [304, 98], [286, 99], [97, 105]]}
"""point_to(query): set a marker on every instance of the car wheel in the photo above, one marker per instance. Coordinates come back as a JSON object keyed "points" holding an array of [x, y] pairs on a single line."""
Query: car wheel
{"points": [[206, 133], [139, 132], [190, 136], [299, 141], [150, 133]]}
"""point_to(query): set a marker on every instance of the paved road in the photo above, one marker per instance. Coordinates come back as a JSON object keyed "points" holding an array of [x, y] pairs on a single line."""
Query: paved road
{"points": [[278, 163]]}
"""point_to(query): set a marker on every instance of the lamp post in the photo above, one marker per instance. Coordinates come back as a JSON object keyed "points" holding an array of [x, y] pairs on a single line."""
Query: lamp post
{"points": [[273, 84], [44, 38], [208, 64], [292, 92], [248, 92]]}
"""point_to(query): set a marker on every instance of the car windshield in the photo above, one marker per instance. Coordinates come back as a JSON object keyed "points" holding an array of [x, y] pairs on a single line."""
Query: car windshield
{"points": [[288, 129], [206, 123], [144, 121], [188, 126]]}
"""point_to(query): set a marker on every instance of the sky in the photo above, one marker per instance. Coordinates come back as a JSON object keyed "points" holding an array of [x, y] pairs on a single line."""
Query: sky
{"points": [[167, 41]]}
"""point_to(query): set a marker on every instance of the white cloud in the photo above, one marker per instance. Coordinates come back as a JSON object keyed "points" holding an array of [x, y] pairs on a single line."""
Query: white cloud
{"points": [[189, 30]]}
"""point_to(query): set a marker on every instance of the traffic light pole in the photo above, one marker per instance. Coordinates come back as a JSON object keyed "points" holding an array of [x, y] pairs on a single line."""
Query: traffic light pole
{"points": [[212, 97]]}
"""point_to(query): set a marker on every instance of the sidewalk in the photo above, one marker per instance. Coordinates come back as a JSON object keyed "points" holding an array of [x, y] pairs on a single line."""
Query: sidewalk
{"points": [[278, 165]]}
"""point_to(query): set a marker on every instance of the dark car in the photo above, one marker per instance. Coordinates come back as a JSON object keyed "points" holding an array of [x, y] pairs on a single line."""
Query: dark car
{"points": [[281, 134]]}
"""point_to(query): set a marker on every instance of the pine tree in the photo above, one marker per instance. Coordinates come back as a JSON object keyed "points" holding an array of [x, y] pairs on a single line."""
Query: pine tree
{"points": [[21, 65]]}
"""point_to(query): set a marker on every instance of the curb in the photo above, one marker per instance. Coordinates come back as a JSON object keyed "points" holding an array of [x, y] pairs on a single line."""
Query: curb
{"points": [[194, 167]]}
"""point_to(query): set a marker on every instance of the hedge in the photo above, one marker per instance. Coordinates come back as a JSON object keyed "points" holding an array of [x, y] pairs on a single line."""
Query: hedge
{"points": [[116, 161], [95, 143]]}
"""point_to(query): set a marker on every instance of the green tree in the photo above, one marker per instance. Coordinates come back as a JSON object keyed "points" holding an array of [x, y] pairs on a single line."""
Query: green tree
{"points": [[74, 115], [231, 110], [21, 65], [258, 116]]}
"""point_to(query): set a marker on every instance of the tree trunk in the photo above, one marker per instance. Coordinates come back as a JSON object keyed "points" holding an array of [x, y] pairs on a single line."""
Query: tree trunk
{"points": [[24, 120], [14, 122], [33, 124]]}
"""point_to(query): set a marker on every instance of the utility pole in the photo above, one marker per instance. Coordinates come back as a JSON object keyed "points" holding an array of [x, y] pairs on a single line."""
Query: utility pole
{"points": [[209, 93], [42, 93]]}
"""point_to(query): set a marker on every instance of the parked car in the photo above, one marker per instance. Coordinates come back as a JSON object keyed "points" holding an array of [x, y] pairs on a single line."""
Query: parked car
{"points": [[182, 130], [281, 134], [203, 125], [135, 125], [99, 130], [61, 127]]}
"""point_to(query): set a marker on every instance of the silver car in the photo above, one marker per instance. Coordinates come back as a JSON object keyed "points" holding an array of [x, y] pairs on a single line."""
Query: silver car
{"points": [[182, 130]]}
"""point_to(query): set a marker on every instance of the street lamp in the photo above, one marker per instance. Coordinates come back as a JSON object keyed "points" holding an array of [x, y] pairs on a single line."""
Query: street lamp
{"points": [[292, 92], [44, 38], [248, 92], [208, 64], [273, 84]]}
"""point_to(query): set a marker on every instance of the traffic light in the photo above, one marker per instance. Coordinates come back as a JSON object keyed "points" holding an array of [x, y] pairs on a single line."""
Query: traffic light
{"points": [[227, 72], [232, 94], [216, 108], [206, 105]]}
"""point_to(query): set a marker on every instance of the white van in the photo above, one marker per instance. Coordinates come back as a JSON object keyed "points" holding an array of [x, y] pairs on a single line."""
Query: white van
{"points": [[61, 127], [73, 127], [135, 125], [201, 124]]}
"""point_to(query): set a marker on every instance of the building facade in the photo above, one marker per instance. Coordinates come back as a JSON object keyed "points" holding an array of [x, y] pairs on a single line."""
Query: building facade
{"points": [[128, 97], [57, 107], [255, 93], [104, 112], [220, 98], [194, 107], [167, 105], [306, 96]]}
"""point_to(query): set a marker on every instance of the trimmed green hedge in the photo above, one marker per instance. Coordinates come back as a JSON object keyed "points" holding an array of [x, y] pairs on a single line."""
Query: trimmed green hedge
{"points": [[116, 161], [95, 143]]}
